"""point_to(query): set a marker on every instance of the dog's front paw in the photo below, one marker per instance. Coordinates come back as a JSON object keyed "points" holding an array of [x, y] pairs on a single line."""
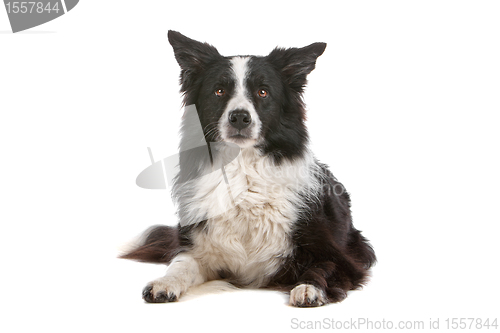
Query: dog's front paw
{"points": [[307, 295], [161, 291]]}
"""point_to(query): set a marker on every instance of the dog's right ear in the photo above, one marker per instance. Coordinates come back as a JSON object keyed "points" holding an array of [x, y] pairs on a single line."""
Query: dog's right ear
{"points": [[192, 56]]}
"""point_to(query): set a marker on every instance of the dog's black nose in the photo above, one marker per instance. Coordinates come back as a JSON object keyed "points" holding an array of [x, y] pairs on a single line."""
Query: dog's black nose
{"points": [[240, 119]]}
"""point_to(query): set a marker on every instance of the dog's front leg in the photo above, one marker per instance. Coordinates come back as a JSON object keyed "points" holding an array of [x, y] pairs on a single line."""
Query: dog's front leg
{"points": [[182, 273]]}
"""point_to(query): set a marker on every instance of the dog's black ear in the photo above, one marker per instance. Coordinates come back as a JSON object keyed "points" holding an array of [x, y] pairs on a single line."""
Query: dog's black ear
{"points": [[296, 63], [192, 56]]}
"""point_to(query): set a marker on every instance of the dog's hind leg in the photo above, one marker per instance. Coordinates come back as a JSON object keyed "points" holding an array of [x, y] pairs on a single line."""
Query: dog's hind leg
{"points": [[183, 273]]}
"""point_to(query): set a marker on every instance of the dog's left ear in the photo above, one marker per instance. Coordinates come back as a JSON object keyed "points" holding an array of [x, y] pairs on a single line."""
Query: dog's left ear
{"points": [[296, 63]]}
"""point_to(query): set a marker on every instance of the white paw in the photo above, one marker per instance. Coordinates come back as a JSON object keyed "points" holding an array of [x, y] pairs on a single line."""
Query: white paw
{"points": [[307, 295], [166, 289]]}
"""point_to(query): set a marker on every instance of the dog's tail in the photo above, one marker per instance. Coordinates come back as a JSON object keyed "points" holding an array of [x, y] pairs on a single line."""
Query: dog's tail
{"points": [[159, 244]]}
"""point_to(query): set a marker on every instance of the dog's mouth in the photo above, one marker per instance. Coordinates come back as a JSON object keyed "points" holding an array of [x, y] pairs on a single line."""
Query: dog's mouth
{"points": [[239, 137], [241, 140]]}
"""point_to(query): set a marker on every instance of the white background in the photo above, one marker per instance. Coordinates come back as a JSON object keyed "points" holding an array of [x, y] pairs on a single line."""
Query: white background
{"points": [[403, 106]]}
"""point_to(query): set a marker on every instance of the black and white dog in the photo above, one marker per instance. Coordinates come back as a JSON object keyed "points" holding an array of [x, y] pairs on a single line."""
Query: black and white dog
{"points": [[286, 222]]}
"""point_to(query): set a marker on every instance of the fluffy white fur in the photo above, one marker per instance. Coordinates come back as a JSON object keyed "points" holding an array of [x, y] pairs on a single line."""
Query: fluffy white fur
{"points": [[248, 234]]}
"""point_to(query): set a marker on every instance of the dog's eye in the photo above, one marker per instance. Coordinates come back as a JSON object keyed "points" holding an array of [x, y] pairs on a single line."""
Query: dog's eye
{"points": [[219, 92], [263, 93]]}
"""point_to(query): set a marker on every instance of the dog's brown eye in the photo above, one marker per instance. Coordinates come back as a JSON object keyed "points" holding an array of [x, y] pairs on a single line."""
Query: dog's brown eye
{"points": [[219, 92], [263, 93]]}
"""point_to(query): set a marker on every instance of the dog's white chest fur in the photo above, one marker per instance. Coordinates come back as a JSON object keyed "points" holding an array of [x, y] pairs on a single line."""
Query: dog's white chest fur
{"points": [[247, 234]]}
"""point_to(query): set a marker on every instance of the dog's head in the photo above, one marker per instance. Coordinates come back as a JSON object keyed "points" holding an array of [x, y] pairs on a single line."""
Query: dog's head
{"points": [[247, 100]]}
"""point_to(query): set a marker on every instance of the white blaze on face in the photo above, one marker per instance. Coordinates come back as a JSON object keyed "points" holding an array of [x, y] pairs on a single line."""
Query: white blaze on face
{"points": [[240, 100]]}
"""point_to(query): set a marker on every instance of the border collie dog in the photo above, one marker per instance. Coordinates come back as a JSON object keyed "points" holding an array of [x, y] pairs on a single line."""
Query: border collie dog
{"points": [[275, 217]]}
